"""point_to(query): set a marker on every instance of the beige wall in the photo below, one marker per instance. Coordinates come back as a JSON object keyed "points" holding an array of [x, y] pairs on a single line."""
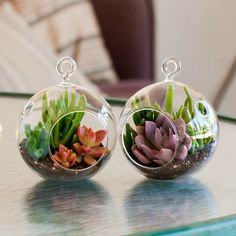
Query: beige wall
{"points": [[202, 34]]}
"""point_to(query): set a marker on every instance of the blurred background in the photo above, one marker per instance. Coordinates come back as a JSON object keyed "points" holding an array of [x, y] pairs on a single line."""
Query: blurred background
{"points": [[119, 44]]}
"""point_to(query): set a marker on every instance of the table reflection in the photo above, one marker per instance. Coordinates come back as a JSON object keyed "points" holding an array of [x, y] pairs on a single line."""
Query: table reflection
{"points": [[80, 206], [153, 205]]}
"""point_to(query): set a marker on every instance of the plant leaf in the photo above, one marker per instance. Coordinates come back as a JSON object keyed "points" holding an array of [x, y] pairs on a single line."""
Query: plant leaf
{"points": [[169, 98], [189, 101]]}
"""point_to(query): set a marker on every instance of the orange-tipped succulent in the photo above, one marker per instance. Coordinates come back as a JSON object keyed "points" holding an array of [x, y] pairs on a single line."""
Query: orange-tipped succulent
{"points": [[86, 152], [65, 156], [89, 138], [90, 144]]}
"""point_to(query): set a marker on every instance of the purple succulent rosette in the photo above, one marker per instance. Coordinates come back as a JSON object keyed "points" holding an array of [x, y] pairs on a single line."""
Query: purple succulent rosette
{"points": [[161, 135], [156, 142]]}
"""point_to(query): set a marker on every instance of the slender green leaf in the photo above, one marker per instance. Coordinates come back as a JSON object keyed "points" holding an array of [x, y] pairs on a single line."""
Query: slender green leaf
{"points": [[202, 108], [169, 98], [186, 115], [66, 99], [179, 112], [190, 101], [72, 103], [44, 107], [137, 117], [128, 143]]}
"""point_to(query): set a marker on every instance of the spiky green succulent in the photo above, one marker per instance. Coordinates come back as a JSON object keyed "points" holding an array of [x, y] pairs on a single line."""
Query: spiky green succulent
{"points": [[64, 130]]}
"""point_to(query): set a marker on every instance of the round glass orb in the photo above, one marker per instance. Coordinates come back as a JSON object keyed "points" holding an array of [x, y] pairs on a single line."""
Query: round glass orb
{"points": [[66, 132], [167, 129]]}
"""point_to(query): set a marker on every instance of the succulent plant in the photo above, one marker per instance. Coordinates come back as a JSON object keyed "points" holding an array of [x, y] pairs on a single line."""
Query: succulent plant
{"points": [[185, 141], [90, 146], [157, 141], [153, 140], [87, 150], [64, 129], [65, 156], [37, 138], [89, 138], [36, 141]]}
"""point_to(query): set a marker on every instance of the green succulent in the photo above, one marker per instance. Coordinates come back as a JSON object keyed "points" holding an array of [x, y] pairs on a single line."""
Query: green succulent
{"points": [[64, 130], [37, 141]]}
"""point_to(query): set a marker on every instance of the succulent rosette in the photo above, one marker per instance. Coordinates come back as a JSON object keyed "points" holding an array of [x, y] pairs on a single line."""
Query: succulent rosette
{"points": [[157, 142], [86, 151], [90, 146], [158, 135], [65, 157]]}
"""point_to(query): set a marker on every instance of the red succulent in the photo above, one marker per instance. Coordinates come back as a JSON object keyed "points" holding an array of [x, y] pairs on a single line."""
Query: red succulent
{"points": [[90, 144], [89, 138], [65, 156]]}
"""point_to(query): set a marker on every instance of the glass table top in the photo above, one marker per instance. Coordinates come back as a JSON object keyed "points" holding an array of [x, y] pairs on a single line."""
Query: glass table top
{"points": [[118, 200]]}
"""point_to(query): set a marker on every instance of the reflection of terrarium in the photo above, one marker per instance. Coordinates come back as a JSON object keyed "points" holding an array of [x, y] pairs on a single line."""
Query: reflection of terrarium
{"points": [[82, 206], [66, 132], [168, 205], [167, 129]]}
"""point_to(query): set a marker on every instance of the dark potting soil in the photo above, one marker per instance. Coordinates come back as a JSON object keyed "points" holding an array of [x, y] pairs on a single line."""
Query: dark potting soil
{"points": [[47, 169], [177, 168]]}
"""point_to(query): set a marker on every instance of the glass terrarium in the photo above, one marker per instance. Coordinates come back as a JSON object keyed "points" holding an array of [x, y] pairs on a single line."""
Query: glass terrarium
{"points": [[168, 130], [66, 132]]}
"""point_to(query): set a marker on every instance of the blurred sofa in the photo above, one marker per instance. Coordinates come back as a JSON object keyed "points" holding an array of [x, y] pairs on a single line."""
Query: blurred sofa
{"points": [[45, 33], [128, 30]]}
